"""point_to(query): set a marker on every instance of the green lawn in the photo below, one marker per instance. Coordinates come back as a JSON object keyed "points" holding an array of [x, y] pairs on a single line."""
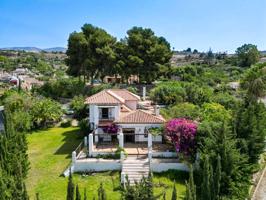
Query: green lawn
{"points": [[49, 155]]}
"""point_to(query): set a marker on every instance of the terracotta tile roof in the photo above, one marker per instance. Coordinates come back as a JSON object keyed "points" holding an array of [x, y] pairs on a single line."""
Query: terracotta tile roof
{"points": [[102, 97], [139, 117], [125, 94], [112, 96]]}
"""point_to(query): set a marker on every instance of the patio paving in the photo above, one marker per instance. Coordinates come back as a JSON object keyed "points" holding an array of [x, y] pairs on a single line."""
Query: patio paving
{"points": [[133, 148]]}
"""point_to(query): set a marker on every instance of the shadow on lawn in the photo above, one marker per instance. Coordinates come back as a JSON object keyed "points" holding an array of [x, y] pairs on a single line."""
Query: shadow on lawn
{"points": [[71, 141]]}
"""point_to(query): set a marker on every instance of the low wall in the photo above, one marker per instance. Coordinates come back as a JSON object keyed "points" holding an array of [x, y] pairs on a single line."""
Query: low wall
{"points": [[94, 164], [95, 154], [161, 166], [164, 154]]}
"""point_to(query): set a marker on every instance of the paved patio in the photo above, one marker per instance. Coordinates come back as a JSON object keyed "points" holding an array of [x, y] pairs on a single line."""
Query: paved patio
{"points": [[134, 148]]}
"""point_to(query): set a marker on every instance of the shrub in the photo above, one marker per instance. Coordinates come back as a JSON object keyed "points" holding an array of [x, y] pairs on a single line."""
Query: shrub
{"points": [[168, 93], [182, 133], [182, 110], [111, 128], [62, 88], [77, 104], [84, 126], [66, 124]]}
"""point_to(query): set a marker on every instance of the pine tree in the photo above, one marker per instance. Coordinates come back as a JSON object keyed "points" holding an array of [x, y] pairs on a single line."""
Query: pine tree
{"points": [[101, 193], [78, 196], [205, 187], [70, 187], [85, 194], [174, 195], [217, 178]]}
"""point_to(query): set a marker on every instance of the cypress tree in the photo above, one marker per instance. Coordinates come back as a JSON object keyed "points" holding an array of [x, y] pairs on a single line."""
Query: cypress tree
{"points": [[212, 189], [205, 187], [101, 193], [164, 195], [174, 195], [149, 187], [78, 196], [37, 196], [13, 161], [85, 194], [70, 187], [217, 178], [191, 187]]}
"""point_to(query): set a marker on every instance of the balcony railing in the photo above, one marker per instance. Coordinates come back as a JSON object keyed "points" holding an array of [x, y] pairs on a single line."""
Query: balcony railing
{"points": [[106, 118]]}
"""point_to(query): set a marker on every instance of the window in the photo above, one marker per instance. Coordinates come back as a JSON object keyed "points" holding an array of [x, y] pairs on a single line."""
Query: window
{"points": [[105, 113]]}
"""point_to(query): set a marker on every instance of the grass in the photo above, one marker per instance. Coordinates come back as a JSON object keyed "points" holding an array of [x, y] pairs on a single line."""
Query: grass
{"points": [[50, 154]]}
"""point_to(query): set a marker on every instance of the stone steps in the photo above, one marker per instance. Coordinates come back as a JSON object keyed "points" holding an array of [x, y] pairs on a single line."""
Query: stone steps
{"points": [[135, 168]]}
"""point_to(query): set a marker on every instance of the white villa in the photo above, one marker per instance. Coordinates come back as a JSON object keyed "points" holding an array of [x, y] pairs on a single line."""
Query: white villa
{"points": [[121, 107], [140, 150]]}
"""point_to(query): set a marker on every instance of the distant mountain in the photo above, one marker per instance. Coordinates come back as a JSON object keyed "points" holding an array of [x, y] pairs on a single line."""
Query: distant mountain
{"points": [[55, 49], [35, 49], [263, 52], [28, 49]]}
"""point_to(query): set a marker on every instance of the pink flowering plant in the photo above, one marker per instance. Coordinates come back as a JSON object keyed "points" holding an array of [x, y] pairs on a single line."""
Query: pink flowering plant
{"points": [[182, 133], [111, 128]]}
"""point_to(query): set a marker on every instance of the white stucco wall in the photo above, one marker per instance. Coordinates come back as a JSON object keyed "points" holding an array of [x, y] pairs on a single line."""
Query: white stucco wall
{"points": [[94, 164], [95, 112], [161, 167]]}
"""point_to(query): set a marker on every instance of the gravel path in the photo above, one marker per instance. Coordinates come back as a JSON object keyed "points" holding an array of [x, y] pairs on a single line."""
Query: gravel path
{"points": [[261, 192]]}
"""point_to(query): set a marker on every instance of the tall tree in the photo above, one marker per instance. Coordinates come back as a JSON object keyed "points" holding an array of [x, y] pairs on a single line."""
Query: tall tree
{"points": [[78, 196], [254, 81], [217, 178], [250, 127], [70, 187], [206, 175], [247, 54], [14, 162], [85, 194], [146, 52], [101, 193], [174, 195], [91, 52], [190, 186]]}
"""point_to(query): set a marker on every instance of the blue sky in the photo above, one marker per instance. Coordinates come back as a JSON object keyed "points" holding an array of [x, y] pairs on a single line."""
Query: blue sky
{"points": [[222, 25]]}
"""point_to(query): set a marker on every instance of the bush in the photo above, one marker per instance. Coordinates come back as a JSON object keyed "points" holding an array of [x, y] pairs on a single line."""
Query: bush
{"points": [[45, 111], [66, 124], [77, 104], [182, 110], [90, 90], [62, 88], [168, 93], [133, 89], [84, 127], [197, 95]]}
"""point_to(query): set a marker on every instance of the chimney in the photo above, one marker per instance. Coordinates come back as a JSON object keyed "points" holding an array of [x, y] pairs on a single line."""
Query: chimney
{"points": [[144, 93], [156, 110]]}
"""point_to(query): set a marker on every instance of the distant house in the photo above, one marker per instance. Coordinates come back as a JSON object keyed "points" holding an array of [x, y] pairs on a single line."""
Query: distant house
{"points": [[120, 107], [118, 79]]}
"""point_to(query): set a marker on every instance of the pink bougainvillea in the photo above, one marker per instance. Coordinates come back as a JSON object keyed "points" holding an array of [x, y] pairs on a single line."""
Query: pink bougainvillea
{"points": [[182, 133], [112, 128]]}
